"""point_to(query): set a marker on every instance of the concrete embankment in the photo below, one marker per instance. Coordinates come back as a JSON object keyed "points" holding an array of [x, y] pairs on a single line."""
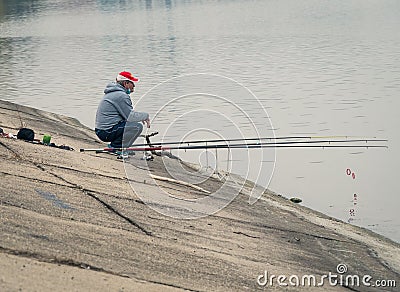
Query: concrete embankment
{"points": [[70, 221]]}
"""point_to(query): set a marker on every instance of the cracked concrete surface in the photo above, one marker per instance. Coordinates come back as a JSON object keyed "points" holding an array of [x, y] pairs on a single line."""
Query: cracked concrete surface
{"points": [[70, 221]]}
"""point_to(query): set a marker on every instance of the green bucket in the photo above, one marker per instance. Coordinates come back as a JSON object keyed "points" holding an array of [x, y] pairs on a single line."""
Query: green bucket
{"points": [[46, 139]]}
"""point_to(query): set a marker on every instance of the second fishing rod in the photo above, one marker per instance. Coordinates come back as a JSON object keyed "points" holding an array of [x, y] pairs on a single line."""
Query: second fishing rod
{"points": [[260, 139], [285, 144], [260, 144]]}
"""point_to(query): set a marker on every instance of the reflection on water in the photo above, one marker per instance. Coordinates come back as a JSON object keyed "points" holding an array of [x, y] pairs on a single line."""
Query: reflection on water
{"points": [[17, 8], [319, 68]]}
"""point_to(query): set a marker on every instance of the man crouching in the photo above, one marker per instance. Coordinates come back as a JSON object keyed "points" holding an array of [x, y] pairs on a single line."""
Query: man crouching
{"points": [[116, 120]]}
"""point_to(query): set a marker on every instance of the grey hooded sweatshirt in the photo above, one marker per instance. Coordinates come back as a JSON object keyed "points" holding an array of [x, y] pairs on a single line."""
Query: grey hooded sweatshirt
{"points": [[116, 106]]}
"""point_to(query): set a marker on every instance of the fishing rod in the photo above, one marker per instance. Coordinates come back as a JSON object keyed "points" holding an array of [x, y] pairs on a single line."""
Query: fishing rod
{"points": [[287, 144], [260, 139], [259, 144]]}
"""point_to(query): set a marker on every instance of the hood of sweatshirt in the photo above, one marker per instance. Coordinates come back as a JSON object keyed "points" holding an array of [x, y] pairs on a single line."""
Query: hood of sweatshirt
{"points": [[113, 86]]}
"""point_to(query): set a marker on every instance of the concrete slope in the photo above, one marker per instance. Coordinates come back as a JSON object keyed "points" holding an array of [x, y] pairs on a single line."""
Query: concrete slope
{"points": [[71, 221]]}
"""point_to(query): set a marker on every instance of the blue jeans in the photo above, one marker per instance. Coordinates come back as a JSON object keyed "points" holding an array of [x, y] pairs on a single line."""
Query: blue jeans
{"points": [[122, 134]]}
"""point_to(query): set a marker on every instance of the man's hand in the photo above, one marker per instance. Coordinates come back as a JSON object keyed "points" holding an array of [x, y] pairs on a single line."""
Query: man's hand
{"points": [[147, 122]]}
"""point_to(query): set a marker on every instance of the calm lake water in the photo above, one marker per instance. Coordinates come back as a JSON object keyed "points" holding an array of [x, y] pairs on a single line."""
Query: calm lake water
{"points": [[317, 67]]}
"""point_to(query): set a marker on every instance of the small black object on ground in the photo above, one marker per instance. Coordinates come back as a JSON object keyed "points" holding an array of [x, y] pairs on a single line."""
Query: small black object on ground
{"points": [[296, 200]]}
